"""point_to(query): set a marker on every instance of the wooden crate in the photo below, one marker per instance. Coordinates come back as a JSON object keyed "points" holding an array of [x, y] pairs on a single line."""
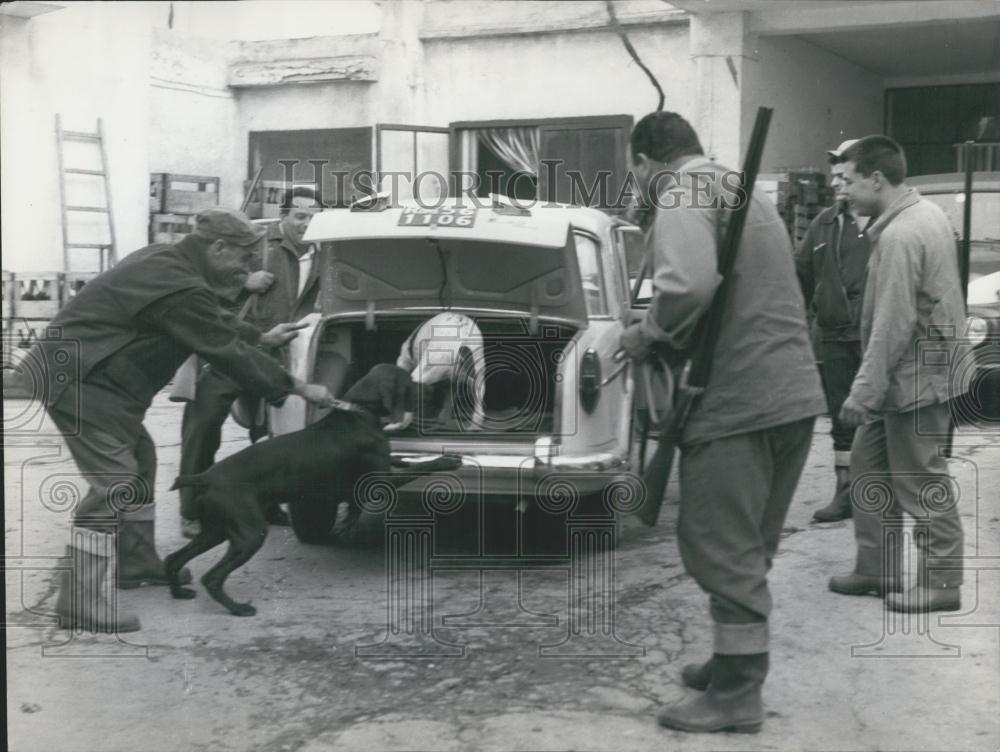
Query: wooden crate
{"points": [[157, 181], [8, 294], [188, 194], [37, 295], [169, 228]]}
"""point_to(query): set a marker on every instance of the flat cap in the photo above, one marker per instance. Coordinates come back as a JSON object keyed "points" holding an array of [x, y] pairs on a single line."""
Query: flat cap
{"points": [[835, 155], [230, 225]]}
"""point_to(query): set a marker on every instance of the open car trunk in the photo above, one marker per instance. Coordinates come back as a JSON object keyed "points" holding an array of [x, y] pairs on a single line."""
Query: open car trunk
{"points": [[520, 398]]}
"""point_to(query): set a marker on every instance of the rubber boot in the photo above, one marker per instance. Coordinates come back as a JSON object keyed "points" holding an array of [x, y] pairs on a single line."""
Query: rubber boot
{"points": [[85, 601], [921, 600], [138, 562], [697, 675], [732, 701], [875, 573], [839, 507]]}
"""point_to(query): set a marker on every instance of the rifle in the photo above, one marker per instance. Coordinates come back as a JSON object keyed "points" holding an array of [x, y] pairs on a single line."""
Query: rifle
{"points": [[698, 369]]}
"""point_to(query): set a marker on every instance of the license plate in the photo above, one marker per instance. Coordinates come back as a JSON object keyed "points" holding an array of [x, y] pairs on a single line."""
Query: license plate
{"points": [[441, 216]]}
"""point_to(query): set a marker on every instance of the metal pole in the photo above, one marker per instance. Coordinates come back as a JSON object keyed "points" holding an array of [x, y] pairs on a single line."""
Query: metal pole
{"points": [[964, 252], [963, 260]]}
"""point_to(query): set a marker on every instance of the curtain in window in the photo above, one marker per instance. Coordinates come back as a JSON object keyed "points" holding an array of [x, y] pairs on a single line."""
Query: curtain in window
{"points": [[517, 147]]}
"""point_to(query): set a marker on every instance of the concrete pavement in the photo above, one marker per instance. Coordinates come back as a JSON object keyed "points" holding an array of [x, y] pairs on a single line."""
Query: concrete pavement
{"points": [[505, 668]]}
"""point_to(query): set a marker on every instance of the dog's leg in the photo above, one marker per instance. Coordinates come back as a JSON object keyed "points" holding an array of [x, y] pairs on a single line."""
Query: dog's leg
{"points": [[207, 539], [243, 544]]}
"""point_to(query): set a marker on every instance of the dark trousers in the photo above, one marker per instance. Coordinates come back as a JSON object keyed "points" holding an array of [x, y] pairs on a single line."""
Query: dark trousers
{"points": [[735, 493], [897, 468], [201, 428], [114, 453], [841, 361]]}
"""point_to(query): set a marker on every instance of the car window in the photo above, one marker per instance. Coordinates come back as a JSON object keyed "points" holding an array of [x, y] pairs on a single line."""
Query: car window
{"points": [[984, 253], [635, 249], [985, 212], [588, 256]]}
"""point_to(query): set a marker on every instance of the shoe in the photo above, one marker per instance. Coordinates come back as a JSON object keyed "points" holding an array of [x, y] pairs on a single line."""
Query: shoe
{"points": [[697, 675], [190, 529], [863, 584], [85, 601], [839, 507], [920, 600], [732, 701], [138, 562]]}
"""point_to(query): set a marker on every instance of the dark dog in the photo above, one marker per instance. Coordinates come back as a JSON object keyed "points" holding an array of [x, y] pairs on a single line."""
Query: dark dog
{"points": [[320, 464]]}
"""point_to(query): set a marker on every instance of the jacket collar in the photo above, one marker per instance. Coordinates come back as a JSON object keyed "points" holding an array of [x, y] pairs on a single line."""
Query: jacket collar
{"points": [[832, 213], [277, 235], [897, 207]]}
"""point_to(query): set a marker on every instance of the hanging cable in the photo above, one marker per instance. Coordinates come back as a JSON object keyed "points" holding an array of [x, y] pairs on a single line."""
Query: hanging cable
{"points": [[631, 50]]}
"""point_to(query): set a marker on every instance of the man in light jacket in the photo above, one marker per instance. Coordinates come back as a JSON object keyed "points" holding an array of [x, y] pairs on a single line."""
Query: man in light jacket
{"points": [[912, 315]]}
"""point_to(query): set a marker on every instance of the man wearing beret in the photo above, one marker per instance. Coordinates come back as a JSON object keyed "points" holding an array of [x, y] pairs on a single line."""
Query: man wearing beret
{"points": [[288, 294], [106, 355]]}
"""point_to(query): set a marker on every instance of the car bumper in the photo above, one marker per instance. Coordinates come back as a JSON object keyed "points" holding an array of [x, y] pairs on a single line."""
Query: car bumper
{"points": [[504, 475]]}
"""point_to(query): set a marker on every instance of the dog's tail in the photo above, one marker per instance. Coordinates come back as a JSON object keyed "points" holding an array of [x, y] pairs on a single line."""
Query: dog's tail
{"points": [[190, 481]]}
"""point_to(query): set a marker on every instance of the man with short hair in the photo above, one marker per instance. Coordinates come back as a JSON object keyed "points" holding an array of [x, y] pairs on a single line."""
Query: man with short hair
{"points": [[110, 350], [831, 263], [291, 292], [748, 436], [913, 311]]}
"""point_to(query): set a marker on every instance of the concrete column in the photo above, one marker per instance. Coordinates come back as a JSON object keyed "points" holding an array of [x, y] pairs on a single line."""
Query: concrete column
{"points": [[401, 64], [719, 49]]}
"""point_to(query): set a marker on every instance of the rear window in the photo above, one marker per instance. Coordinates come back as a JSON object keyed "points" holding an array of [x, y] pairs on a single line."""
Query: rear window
{"points": [[588, 256]]}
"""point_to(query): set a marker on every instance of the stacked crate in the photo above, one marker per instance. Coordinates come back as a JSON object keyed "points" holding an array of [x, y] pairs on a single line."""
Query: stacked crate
{"points": [[267, 198], [799, 195], [174, 200]]}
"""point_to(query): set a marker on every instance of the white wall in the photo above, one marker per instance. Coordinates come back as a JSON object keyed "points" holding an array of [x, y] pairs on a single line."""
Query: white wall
{"points": [[556, 75], [819, 100], [84, 61], [193, 114]]}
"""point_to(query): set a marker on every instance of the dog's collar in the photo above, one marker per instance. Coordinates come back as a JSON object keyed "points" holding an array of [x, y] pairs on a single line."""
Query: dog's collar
{"points": [[348, 407]]}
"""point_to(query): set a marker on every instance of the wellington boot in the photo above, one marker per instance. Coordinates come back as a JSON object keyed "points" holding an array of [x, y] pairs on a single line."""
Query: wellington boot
{"points": [[697, 675], [138, 562], [732, 701], [863, 584], [86, 602], [839, 507], [921, 600]]}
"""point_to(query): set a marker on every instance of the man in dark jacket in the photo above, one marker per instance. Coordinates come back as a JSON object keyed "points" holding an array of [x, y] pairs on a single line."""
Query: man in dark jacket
{"points": [[747, 439], [107, 353], [291, 294], [831, 263]]}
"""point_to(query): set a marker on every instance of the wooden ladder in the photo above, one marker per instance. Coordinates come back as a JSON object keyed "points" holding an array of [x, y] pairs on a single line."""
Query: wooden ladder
{"points": [[107, 254]]}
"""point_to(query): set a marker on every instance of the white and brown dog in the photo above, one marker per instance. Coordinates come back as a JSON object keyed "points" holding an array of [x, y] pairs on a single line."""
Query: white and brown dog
{"points": [[446, 351]]}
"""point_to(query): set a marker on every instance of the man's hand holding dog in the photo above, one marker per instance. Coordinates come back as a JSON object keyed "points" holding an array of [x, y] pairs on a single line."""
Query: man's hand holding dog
{"points": [[316, 394], [281, 335]]}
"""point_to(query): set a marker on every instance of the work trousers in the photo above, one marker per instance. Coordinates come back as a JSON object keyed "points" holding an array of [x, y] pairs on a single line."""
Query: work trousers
{"points": [[114, 453], [735, 493], [840, 364], [897, 468], [201, 428]]}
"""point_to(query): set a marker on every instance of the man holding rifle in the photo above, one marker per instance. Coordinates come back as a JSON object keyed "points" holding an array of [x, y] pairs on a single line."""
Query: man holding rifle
{"points": [[747, 438]]}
